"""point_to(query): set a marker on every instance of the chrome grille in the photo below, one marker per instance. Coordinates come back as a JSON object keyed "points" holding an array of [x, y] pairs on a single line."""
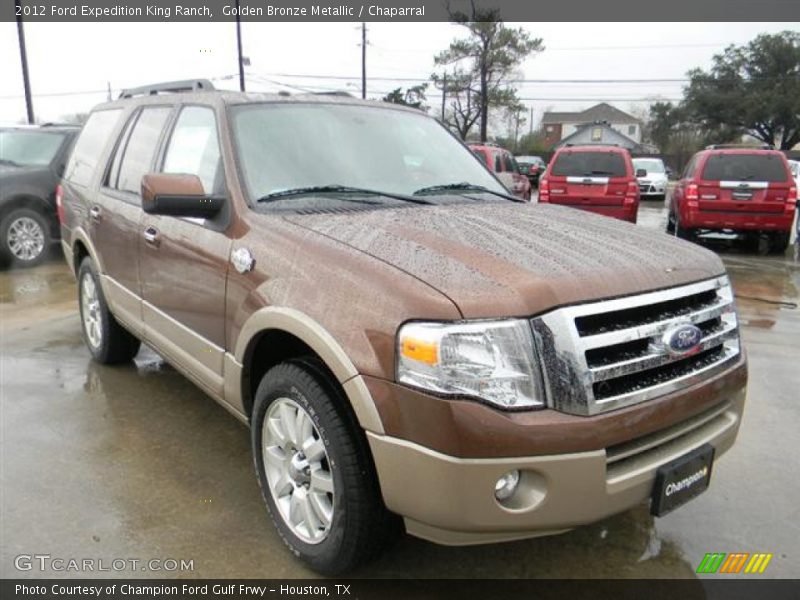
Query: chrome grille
{"points": [[605, 355]]}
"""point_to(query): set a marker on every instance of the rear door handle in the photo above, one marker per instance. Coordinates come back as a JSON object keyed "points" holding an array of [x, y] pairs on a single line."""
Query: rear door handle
{"points": [[95, 212], [151, 236]]}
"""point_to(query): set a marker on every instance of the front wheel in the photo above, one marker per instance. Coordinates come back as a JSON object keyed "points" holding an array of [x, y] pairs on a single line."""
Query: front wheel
{"points": [[25, 237], [315, 471], [107, 340]]}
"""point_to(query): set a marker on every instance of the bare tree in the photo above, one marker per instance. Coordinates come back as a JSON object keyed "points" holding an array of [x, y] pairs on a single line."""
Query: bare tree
{"points": [[492, 52]]}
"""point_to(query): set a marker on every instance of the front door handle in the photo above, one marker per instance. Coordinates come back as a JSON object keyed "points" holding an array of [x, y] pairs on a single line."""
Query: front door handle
{"points": [[151, 236], [95, 212]]}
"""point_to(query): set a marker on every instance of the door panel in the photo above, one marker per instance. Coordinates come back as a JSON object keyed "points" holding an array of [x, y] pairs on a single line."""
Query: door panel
{"points": [[184, 271], [115, 234]]}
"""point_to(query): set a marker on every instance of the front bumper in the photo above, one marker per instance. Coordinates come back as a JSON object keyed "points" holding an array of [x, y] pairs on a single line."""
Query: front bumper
{"points": [[652, 188], [450, 500]]}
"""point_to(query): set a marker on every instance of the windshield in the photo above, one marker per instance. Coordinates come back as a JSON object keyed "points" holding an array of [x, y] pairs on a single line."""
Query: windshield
{"points": [[586, 164], [648, 164], [29, 148], [284, 146], [745, 167]]}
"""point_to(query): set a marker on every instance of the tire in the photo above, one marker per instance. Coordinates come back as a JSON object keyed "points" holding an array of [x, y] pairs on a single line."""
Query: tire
{"points": [[108, 342], [25, 237], [779, 242], [682, 232], [671, 223], [358, 525]]}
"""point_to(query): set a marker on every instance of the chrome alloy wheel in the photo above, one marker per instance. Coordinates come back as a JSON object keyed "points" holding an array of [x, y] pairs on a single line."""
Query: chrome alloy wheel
{"points": [[298, 470], [25, 238], [90, 311]]}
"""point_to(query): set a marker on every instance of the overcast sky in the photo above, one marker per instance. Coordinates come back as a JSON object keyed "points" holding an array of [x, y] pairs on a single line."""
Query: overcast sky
{"points": [[81, 59]]}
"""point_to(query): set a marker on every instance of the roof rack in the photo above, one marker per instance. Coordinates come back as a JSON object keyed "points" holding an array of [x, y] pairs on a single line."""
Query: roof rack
{"points": [[742, 146], [171, 87]]}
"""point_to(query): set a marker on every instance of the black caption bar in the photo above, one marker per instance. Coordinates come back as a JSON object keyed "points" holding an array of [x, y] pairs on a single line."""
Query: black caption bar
{"points": [[361, 589], [398, 10]]}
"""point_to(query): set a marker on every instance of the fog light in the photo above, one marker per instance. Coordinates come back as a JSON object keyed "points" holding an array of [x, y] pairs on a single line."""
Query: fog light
{"points": [[506, 485]]}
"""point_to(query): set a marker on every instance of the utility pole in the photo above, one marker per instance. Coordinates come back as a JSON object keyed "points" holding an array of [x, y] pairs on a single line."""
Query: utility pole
{"points": [[26, 82], [108, 87], [363, 61], [530, 130], [239, 47]]}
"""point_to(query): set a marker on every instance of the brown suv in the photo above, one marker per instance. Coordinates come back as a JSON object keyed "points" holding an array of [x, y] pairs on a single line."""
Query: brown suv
{"points": [[407, 343]]}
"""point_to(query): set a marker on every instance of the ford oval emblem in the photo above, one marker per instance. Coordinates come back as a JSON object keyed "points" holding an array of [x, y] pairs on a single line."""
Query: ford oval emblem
{"points": [[682, 339]]}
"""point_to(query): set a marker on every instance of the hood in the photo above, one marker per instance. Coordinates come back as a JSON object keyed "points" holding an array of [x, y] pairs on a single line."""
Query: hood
{"points": [[653, 177], [495, 260]]}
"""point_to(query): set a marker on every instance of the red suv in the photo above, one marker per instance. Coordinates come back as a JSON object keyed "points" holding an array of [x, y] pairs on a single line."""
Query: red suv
{"points": [[599, 179], [503, 164], [735, 190]]}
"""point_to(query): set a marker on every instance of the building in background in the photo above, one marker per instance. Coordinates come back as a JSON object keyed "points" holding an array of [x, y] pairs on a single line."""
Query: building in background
{"points": [[558, 126], [601, 132]]}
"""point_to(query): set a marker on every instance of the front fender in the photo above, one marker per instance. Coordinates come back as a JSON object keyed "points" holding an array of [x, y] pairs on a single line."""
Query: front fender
{"points": [[315, 336]]}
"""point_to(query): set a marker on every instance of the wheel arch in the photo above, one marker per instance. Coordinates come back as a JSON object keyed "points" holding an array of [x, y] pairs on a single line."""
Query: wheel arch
{"points": [[275, 334]]}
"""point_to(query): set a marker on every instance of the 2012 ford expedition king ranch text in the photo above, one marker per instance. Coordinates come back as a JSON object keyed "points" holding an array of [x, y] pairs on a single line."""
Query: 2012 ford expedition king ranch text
{"points": [[409, 345]]}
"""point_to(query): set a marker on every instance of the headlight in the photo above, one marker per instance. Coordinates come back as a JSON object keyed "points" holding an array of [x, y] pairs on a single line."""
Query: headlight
{"points": [[490, 360]]}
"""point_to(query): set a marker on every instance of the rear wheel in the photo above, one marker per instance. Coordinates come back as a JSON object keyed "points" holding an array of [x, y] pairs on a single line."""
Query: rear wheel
{"points": [[671, 223], [107, 340], [779, 241], [683, 232], [315, 471], [25, 237]]}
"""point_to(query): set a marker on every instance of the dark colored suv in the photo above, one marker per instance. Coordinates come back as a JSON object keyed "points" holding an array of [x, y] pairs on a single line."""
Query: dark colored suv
{"points": [[746, 191], [598, 179], [409, 345], [31, 161]]}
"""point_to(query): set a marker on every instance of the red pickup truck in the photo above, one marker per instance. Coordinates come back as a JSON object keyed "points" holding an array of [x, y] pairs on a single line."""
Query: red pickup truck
{"points": [[599, 179]]}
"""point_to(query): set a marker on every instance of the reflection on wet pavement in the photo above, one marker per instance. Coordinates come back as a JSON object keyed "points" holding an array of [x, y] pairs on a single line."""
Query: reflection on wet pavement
{"points": [[135, 461]]}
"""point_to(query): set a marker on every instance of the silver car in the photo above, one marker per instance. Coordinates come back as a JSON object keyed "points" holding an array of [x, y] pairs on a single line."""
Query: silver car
{"points": [[653, 185]]}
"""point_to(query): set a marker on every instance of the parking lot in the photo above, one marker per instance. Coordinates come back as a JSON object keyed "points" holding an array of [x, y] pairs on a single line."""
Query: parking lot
{"points": [[136, 462]]}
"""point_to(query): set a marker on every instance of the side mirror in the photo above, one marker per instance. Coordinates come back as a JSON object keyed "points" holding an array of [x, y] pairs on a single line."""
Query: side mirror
{"points": [[178, 195], [641, 173]]}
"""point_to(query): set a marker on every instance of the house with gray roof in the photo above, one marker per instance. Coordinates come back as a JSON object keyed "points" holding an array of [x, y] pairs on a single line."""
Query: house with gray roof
{"points": [[559, 125]]}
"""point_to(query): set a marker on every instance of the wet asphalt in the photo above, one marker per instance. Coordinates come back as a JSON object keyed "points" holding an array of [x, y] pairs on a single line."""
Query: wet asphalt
{"points": [[135, 462]]}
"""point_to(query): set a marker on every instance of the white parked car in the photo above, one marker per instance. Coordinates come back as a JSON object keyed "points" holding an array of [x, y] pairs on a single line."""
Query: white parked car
{"points": [[653, 184], [794, 167]]}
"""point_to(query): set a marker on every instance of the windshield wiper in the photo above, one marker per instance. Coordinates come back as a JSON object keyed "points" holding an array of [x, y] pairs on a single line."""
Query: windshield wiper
{"points": [[335, 188], [464, 186], [599, 172], [10, 163]]}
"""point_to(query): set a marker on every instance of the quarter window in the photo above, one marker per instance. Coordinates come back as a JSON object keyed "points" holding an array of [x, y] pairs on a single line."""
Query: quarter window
{"points": [[194, 147], [92, 140], [141, 148]]}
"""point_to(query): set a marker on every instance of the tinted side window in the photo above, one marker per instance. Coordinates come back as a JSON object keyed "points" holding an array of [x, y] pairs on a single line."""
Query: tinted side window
{"points": [[498, 164], [587, 164], [92, 140], [194, 147], [689, 171], [745, 167], [141, 148], [113, 172], [481, 155]]}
